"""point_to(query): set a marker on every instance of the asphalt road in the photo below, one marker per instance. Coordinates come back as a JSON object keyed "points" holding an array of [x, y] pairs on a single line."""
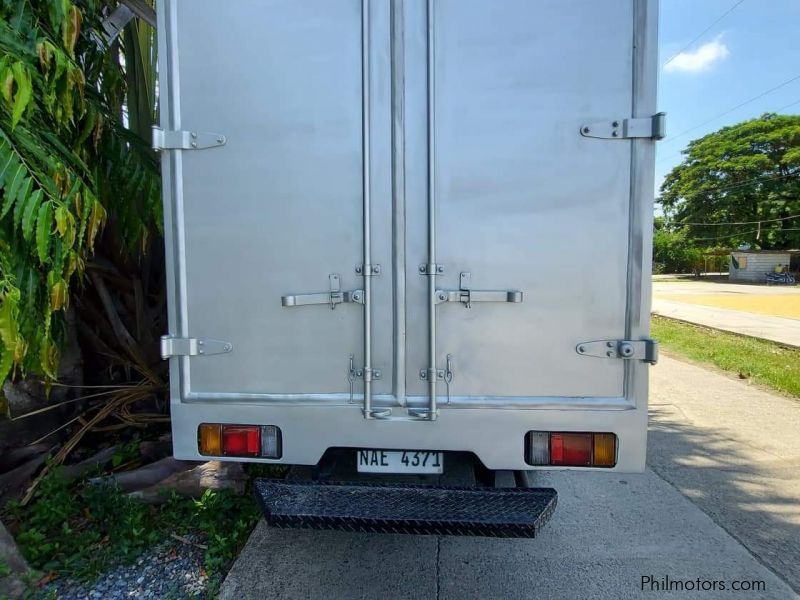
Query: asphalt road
{"points": [[718, 505], [768, 312]]}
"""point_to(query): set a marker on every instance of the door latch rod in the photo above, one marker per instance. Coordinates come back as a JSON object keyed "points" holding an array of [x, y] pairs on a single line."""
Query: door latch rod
{"points": [[333, 297], [467, 296]]}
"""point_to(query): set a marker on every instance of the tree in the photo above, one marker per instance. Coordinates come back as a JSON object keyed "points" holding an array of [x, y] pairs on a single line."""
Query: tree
{"points": [[67, 165], [671, 252], [746, 179]]}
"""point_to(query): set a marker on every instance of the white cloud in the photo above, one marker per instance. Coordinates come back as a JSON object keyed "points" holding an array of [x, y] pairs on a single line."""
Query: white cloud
{"points": [[702, 59]]}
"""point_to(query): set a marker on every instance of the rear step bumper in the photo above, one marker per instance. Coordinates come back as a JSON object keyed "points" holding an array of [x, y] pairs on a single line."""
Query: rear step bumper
{"points": [[393, 508]]}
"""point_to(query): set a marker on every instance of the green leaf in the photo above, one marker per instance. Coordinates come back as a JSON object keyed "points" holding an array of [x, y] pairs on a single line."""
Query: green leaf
{"points": [[9, 328], [24, 191], [29, 214], [70, 28], [8, 198], [16, 180], [22, 77], [7, 85], [6, 362], [65, 225], [12, 189], [43, 226], [7, 166]]}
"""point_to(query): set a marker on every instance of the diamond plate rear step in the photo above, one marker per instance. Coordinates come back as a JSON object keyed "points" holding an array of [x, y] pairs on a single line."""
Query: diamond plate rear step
{"points": [[394, 508]]}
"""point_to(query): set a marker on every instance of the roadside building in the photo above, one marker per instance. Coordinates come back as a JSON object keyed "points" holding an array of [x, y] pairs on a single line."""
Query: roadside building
{"points": [[751, 266]]}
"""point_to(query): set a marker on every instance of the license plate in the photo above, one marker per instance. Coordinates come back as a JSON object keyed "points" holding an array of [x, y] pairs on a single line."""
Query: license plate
{"points": [[400, 461]]}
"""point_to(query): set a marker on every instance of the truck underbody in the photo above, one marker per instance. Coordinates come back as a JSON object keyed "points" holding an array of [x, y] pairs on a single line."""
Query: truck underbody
{"points": [[468, 500]]}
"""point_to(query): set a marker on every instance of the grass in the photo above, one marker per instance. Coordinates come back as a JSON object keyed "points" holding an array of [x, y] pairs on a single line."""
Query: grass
{"points": [[81, 530], [761, 361]]}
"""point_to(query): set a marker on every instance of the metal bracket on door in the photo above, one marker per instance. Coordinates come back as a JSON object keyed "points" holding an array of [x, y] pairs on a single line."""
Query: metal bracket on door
{"points": [[177, 346], [431, 269], [654, 128], [369, 271], [186, 140], [367, 375], [644, 350], [445, 375], [467, 296], [333, 297]]}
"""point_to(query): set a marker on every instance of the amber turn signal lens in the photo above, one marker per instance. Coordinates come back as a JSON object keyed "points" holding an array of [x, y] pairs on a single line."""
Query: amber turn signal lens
{"points": [[605, 450], [210, 435]]}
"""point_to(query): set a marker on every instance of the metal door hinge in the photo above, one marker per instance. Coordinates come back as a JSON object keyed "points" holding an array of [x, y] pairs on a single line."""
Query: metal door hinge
{"points": [[185, 140], [467, 296], [176, 346], [333, 297], [645, 350], [654, 128]]}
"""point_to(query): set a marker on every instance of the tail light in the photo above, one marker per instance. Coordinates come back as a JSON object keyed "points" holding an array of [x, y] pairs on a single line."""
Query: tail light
{"points": [[241, 441], [257, 441], [571, 449]]}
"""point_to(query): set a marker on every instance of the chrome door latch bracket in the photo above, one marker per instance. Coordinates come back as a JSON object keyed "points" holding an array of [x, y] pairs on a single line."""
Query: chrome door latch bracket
{"points": [[368, 374], [654, 128], [644, 350], [427, 374], [445, 375], [368, 271], [466, 295], [431, 269], [333, 297], [177, 346], [186, 140], [359, 373]]}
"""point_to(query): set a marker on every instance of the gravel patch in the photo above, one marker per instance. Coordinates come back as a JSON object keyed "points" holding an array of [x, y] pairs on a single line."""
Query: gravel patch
{"points": [[171, 570]]}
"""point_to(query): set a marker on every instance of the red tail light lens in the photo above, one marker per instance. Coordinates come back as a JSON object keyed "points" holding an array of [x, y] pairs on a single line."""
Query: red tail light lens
{"points": [[242, 440], [571, 449]]}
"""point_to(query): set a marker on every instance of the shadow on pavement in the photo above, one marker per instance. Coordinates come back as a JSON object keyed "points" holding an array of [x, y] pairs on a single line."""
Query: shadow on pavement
{"points": [[749, 492]]}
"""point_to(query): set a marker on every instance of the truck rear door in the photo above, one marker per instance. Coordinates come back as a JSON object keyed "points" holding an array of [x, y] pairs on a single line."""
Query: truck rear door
{"points": [[397, 208], [522, 200]]}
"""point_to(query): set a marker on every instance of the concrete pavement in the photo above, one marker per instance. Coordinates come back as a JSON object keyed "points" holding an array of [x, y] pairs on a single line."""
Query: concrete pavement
{"points": [[734, 450], [730, 448], [778, 329]]}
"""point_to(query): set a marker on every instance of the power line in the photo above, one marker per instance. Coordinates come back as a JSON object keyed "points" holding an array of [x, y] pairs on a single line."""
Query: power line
{"points": [[782, 108], [738, 185], [787, 106], [730, 110], [726, 237], [682, 224], [702, 33]]}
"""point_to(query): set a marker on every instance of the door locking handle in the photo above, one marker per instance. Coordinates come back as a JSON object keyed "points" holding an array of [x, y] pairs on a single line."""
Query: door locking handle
{"points": [[467, 296], [333, 297]]}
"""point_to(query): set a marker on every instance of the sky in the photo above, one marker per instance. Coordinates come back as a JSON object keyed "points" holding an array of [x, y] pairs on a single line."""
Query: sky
{"points": [[748, 52]]}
